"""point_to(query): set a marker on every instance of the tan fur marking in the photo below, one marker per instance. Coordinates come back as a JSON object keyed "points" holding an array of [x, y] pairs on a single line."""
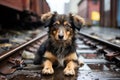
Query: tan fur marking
{"points": [[70, 68], [72, 56], [66, 23], [67, 35], [50, 56], [47, 67], [47, 63], [71, 65], [54, 32], [68, 32], [79, 18], [46, 16], [57, 22]]}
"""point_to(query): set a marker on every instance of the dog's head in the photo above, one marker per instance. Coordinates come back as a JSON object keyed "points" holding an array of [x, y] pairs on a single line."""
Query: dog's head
{"points": [[62, 27]]}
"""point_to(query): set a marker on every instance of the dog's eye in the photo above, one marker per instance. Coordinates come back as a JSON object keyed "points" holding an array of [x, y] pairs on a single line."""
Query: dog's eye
{"points": [[54, 32], [55, 25], [68, 29], [67, 25]]}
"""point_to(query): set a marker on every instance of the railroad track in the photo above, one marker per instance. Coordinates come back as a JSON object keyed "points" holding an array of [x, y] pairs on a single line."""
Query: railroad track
{"points": [[102, 60]]}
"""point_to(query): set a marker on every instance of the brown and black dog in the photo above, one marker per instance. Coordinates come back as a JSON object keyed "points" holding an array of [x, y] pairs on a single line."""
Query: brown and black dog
{"points": [[60, 46]]}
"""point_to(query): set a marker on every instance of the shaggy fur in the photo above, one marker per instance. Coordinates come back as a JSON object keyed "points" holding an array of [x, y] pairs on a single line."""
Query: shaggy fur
{"points": [[60, 47]]}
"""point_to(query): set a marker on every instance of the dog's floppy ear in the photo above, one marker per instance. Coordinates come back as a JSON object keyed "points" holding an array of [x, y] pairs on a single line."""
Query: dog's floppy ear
{"points": [[48, 18], [77, 21]]}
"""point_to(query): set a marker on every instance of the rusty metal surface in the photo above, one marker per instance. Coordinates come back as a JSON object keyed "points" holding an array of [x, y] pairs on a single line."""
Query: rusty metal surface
{"points": [[15, 4], [105, 33], [101, 40], [35, 6], [11, 51]]}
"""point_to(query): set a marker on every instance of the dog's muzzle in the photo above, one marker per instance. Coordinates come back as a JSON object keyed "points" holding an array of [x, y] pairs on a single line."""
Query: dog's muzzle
{"points": [[60, 37], [61, 33]]}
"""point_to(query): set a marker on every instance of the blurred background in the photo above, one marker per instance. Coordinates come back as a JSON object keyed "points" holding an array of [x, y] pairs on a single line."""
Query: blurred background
{"points": [[102, 16], [95, 12]]}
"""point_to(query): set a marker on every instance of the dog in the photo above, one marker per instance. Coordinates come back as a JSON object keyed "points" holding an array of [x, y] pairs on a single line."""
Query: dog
{"points": [[60, 47]]}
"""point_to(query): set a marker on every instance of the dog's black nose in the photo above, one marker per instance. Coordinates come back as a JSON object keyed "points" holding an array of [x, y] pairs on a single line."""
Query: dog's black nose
{"points": [[60, 36]]}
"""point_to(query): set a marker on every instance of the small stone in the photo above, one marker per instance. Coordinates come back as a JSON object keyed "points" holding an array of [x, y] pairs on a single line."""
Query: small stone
{"points": [[28, 55]]}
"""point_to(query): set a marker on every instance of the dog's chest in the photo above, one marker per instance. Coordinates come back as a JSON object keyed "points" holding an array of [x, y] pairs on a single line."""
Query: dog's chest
{"points": [[60, 61], [60, 53], [60, 57]]}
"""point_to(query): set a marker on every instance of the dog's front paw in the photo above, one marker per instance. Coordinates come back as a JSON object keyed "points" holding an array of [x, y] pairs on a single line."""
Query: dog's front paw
{"points": [[47, 70], [69, 71]]}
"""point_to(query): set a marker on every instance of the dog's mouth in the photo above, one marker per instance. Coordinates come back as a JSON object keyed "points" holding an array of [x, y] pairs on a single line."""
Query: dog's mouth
{"points": [[61, 40]]}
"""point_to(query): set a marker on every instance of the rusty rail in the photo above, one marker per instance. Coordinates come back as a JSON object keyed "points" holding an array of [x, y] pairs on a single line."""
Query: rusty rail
{"points": [[8, 53], [111, 45]]}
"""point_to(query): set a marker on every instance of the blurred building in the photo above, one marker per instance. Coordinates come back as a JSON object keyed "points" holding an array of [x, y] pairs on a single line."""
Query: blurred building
{"points": [[21, 12], [66, 8], [90, 10], [82, 8], [71, 7], [107, 12]]}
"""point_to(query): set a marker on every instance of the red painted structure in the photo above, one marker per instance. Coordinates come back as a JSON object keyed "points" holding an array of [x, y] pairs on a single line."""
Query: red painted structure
{"points": [[93, 6], [21, 12], [85, 8], [38, 6], [108, 18]]}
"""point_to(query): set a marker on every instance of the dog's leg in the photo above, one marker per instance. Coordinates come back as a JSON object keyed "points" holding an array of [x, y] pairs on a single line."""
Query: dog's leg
{"points": [[70, 68], [72, 63], [47, 64], [47, 67]]}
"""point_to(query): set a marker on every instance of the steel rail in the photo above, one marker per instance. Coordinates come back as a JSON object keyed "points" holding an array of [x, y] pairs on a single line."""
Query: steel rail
{"points": [[111, 45], [8, 53]]}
